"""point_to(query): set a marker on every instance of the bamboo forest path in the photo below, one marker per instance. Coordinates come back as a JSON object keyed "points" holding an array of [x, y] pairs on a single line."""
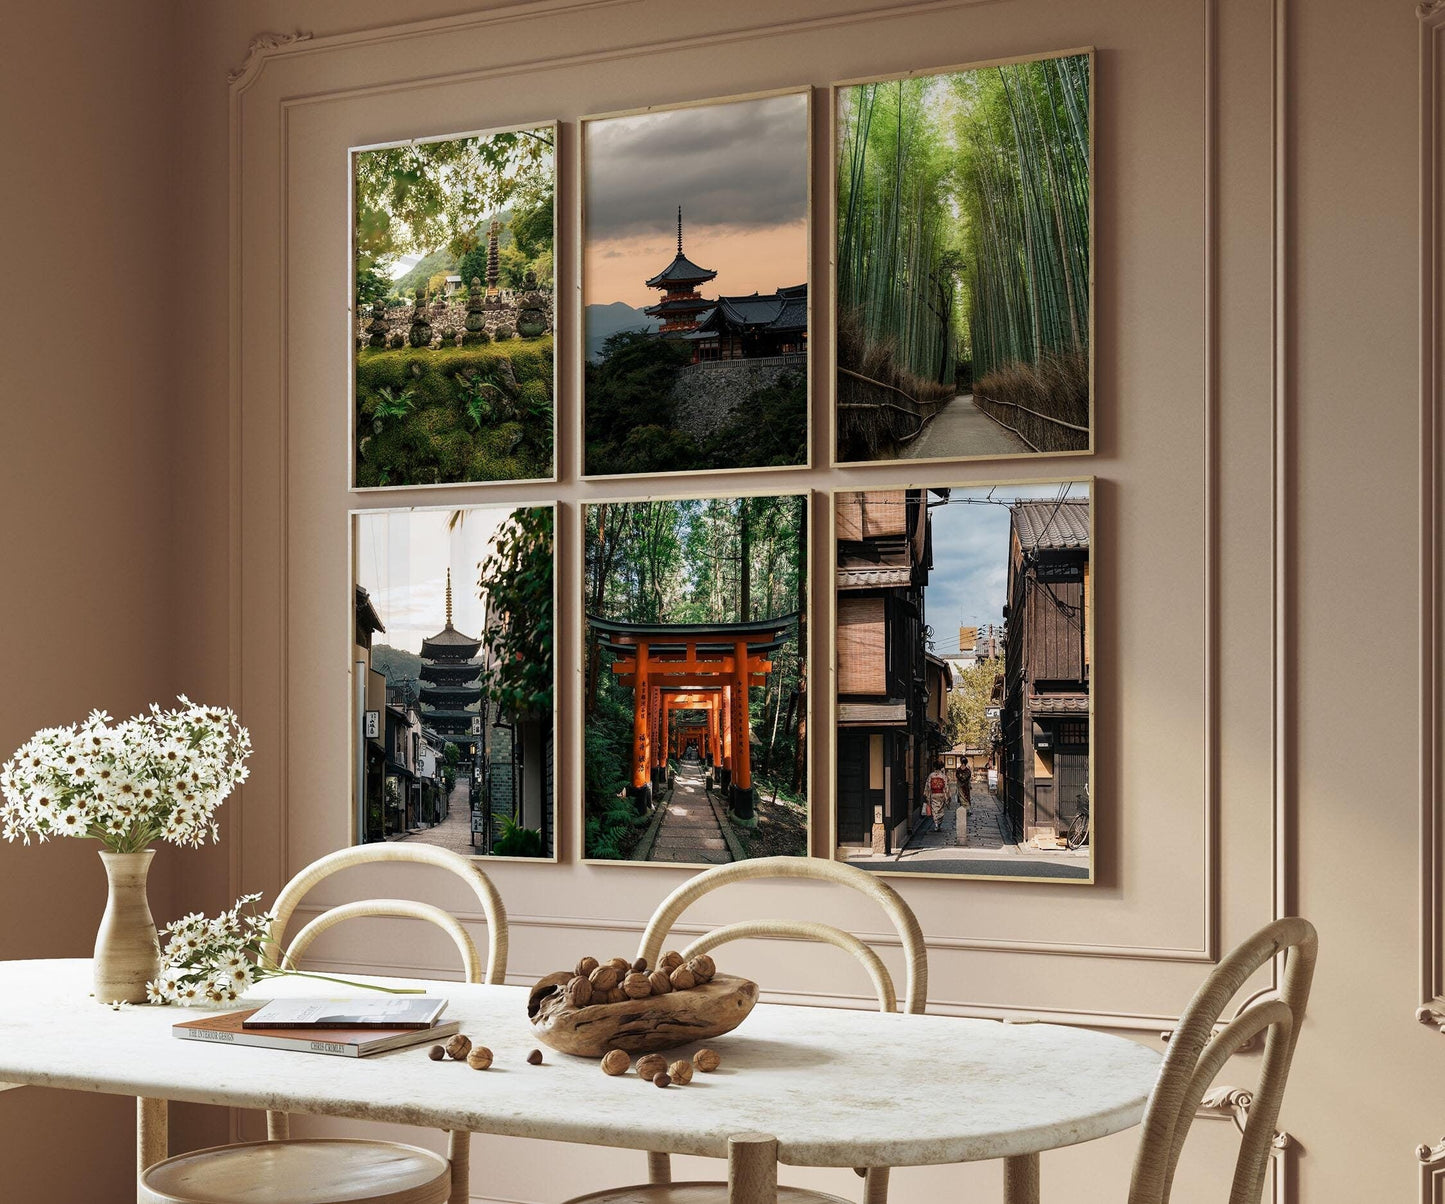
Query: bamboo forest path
{"points": [[962, 429], [690, 831]]}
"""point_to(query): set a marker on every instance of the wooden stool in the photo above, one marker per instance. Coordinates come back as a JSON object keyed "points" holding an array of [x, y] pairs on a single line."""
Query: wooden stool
{"points": [[300, 1172]]}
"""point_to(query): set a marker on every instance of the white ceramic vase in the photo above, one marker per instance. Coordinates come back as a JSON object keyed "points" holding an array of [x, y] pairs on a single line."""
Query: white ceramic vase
{"points": [[127, 952]]}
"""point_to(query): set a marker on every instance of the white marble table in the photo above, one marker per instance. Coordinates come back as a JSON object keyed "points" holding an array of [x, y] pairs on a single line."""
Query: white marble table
{"points": [[834, 1087]]}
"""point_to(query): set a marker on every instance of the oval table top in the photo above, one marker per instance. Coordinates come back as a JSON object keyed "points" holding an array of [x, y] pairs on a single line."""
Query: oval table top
{"points": [[836, 1087]]}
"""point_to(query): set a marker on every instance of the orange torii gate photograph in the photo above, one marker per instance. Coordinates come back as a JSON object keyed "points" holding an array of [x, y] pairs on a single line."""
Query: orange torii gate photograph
{"points": [[695, 711]]}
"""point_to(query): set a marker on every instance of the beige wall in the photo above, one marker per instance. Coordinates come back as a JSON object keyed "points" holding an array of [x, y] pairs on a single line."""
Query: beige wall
{"points": [[1258, 514]]}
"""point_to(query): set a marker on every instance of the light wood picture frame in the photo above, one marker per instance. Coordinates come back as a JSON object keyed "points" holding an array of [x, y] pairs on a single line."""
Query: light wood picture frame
{"points": [[460, 389], [696, 239], [453, 734], [962, 212], [962, 653]]}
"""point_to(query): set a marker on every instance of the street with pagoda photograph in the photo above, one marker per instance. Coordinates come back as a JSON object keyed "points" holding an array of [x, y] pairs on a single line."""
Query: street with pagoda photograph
{"points": [[964, 705], [964, 230], [453, 679], [695, 287], [454, 309], [695, 705]]}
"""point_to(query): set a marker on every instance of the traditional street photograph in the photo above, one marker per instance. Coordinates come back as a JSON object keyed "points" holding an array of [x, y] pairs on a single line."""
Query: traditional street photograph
{"points": [[964, 232], [453, 679], [454, 309], [695, 708], [963, 709], [695, 287]]}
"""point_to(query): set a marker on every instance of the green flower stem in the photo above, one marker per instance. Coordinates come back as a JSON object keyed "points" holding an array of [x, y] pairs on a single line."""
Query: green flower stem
{"points": [[346, 982]]}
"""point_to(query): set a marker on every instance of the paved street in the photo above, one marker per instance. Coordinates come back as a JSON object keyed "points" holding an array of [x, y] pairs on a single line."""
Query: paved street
{"points": [[989, 849], [962, 429], [454, 832], [689, 830]]}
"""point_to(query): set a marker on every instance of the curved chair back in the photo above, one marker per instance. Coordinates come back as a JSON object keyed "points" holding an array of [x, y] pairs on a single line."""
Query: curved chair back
{"points": [[493, 971], [1197, 1053], [914, 953]]}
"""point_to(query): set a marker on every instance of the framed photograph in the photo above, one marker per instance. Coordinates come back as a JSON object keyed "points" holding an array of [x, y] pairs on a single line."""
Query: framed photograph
{"points": [[695, 679], [964, 705], [695, 275], [453, 679], [963, 262], [454, 309]]}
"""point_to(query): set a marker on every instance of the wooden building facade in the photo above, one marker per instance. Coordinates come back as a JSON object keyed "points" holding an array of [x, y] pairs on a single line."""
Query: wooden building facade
{"points": [[892, 693], [1045, 719]]}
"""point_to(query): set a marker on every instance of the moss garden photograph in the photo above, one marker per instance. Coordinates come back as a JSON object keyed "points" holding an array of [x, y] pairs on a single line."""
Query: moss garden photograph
{"points": [[454, 309]]}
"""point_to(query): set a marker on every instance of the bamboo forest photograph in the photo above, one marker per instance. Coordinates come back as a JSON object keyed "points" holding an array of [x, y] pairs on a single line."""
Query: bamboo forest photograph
{"points": [[695, 706], [453, 679], [454, 309], [695, 287], [964, 260]]}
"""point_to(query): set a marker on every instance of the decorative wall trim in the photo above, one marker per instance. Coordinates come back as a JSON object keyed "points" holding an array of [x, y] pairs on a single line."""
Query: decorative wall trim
{"points": [[1233, 1104], [1431, 1002], [261, 45], [1432, 1172]]}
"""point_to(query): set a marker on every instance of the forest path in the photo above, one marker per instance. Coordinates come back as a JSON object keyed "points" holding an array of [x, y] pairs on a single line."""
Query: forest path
{"points": [[690, 831], [962, 429]]}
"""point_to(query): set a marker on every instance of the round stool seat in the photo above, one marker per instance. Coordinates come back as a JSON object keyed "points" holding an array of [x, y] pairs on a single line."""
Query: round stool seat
{"points": [[695, 1193], [300, 1172]]}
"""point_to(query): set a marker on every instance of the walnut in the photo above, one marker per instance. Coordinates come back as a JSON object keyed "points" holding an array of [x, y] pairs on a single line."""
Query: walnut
{"points": [[586, 966], [579, 992], [702, 968], [604, 978], [615, 1062], [650, 1066], [436, 1053], [681, 1072], [637, 986], [661, 984], [459, 1046], [640, 966], [534, 1058], [707, 1060], [670, 961], [662, 1080], [621, 965], [683, 979], [480, 1057], [616, 995]]}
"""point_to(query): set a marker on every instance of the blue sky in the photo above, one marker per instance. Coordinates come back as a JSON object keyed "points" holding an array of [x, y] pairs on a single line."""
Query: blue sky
{"points": [[970, 557]]}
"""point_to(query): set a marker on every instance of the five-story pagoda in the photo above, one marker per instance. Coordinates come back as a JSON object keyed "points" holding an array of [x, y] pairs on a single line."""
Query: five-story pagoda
{"points": [[451, 691]]}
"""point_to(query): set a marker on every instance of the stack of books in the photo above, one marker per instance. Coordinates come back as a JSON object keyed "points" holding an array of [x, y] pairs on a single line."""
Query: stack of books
{"points": [[347, 1028]]}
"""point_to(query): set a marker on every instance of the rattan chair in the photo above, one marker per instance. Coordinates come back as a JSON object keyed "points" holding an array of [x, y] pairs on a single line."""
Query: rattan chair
{"points": [[660, 1189], [1200, 1047], [285, 1171]]}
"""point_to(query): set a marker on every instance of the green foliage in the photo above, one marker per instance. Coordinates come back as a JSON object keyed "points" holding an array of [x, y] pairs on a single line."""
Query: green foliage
{"points": [[371, 286], [473, 265], [963, 235], [517, 841], [437, 438], [968, 703], [517, 581], [769, 427]]}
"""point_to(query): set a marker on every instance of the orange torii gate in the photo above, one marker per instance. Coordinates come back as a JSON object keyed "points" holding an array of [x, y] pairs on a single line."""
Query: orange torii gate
{"points": [[682, 667]]}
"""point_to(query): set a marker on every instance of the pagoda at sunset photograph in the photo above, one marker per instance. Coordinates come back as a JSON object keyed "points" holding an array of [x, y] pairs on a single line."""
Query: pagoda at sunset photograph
{"points": [[695, 287]]}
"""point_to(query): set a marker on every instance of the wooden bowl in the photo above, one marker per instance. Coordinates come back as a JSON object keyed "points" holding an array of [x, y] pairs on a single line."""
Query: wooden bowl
{"points": [[639, 1025]]}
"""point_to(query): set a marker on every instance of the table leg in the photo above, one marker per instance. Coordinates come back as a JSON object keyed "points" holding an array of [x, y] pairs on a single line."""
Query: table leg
{"points": [[1021, 1179], [752, 1169], [152, 1134]]}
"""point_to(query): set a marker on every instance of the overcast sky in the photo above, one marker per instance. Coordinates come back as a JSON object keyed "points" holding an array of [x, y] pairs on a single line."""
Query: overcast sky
{"points": [[402, 558], [740, 172], [970, 557]]}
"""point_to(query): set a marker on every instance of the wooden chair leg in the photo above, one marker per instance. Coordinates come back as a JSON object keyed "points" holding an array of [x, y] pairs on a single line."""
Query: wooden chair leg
{"points": [[752, 1169], [152, 1134], [659, 1168], [278, 1126], [459, 1153], [1021, 1179]]}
